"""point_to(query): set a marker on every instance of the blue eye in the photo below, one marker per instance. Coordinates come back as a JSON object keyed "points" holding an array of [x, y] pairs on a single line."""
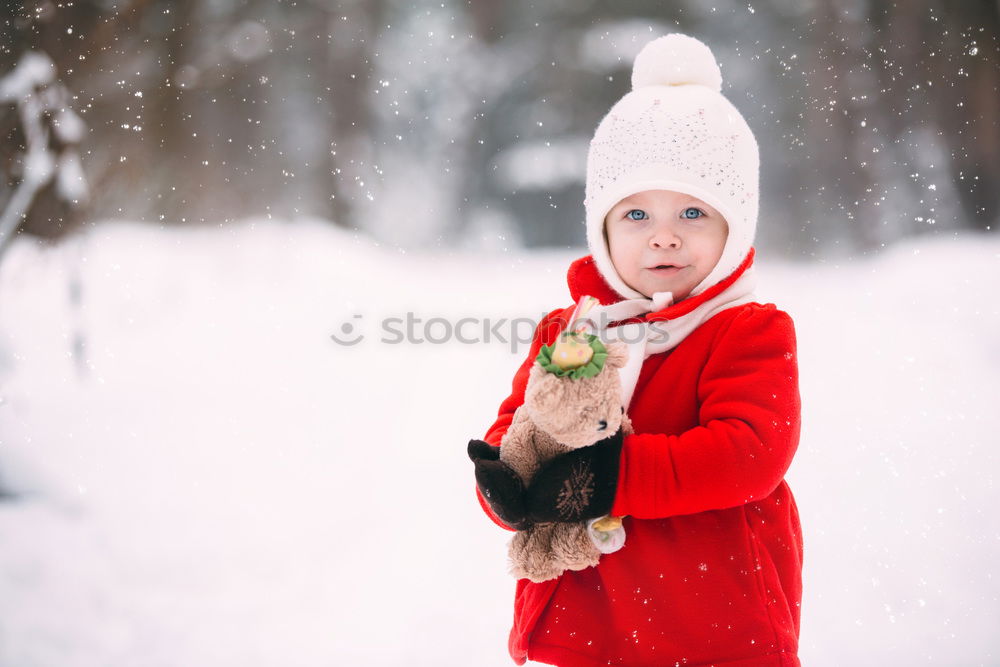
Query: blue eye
{"points": [[692, 213], [641, 213]]}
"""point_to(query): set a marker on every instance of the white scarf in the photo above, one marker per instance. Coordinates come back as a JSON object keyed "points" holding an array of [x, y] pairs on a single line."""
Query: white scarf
{"points": [[647, 338]]}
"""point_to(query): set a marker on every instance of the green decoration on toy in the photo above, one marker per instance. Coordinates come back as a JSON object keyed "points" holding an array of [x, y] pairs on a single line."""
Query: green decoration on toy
{"points": [[573, 355]]}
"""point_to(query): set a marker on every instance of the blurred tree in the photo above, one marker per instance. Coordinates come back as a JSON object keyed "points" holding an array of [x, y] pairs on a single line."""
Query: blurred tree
{"points": [[351, 47], [546, 75], [443, 123], [41, 165], [845, 101], [963, 38], [901, 124], [44, 190]]}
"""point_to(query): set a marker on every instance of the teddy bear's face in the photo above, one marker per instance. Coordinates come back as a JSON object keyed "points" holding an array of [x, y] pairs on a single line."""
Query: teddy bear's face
{"points": [[578, 412]]}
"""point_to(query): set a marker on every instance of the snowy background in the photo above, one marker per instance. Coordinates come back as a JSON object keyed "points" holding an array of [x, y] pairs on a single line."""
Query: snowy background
{"points": [[199, 475], [196, 196]]}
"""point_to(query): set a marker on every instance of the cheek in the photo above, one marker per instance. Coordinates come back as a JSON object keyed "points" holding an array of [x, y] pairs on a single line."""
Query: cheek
{"points": [[623, 252], [714, 242]]}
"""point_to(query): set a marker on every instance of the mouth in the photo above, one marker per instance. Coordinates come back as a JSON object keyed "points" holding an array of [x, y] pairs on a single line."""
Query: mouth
{"points": [[665, 268]]}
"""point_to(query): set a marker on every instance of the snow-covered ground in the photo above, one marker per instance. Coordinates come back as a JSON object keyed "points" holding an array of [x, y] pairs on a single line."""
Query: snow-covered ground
{"points": [[204, 477]]}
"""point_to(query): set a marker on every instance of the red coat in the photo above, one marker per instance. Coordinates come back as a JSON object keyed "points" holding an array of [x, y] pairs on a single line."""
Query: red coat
{"points": [[711, 570]]}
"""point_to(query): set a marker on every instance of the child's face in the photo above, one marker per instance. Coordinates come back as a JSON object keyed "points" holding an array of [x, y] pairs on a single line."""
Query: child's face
{"points": [[656, 227]]}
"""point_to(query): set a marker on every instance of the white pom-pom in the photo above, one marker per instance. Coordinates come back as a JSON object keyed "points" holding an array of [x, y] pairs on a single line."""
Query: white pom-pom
{"points": [[676, 60]]}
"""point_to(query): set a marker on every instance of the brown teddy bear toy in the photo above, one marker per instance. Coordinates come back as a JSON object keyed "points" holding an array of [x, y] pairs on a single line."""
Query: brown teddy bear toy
{"points": [[572, 400]]}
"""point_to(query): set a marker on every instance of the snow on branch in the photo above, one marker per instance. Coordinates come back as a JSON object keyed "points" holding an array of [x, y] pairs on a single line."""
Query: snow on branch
{"points": [[52, 131]]}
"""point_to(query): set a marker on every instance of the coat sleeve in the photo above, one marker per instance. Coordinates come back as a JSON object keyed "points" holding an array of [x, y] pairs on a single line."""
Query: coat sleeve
{"points": [[545, 333], [749, 419]]}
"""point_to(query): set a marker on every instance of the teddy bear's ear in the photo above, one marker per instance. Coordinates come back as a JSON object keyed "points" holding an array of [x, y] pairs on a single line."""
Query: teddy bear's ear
{"points": [[545, 389], [617, 354]]}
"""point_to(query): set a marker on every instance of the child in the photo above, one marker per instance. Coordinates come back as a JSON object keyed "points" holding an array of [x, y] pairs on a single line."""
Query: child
{"points": [[711, 571]]}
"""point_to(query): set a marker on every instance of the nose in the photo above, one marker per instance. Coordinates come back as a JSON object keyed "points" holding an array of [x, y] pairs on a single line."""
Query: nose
{"points": [[665, 237], [603, 424]]}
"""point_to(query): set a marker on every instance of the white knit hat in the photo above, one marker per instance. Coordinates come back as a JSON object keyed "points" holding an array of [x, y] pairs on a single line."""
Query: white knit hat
{"points": [[674, 131]]}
